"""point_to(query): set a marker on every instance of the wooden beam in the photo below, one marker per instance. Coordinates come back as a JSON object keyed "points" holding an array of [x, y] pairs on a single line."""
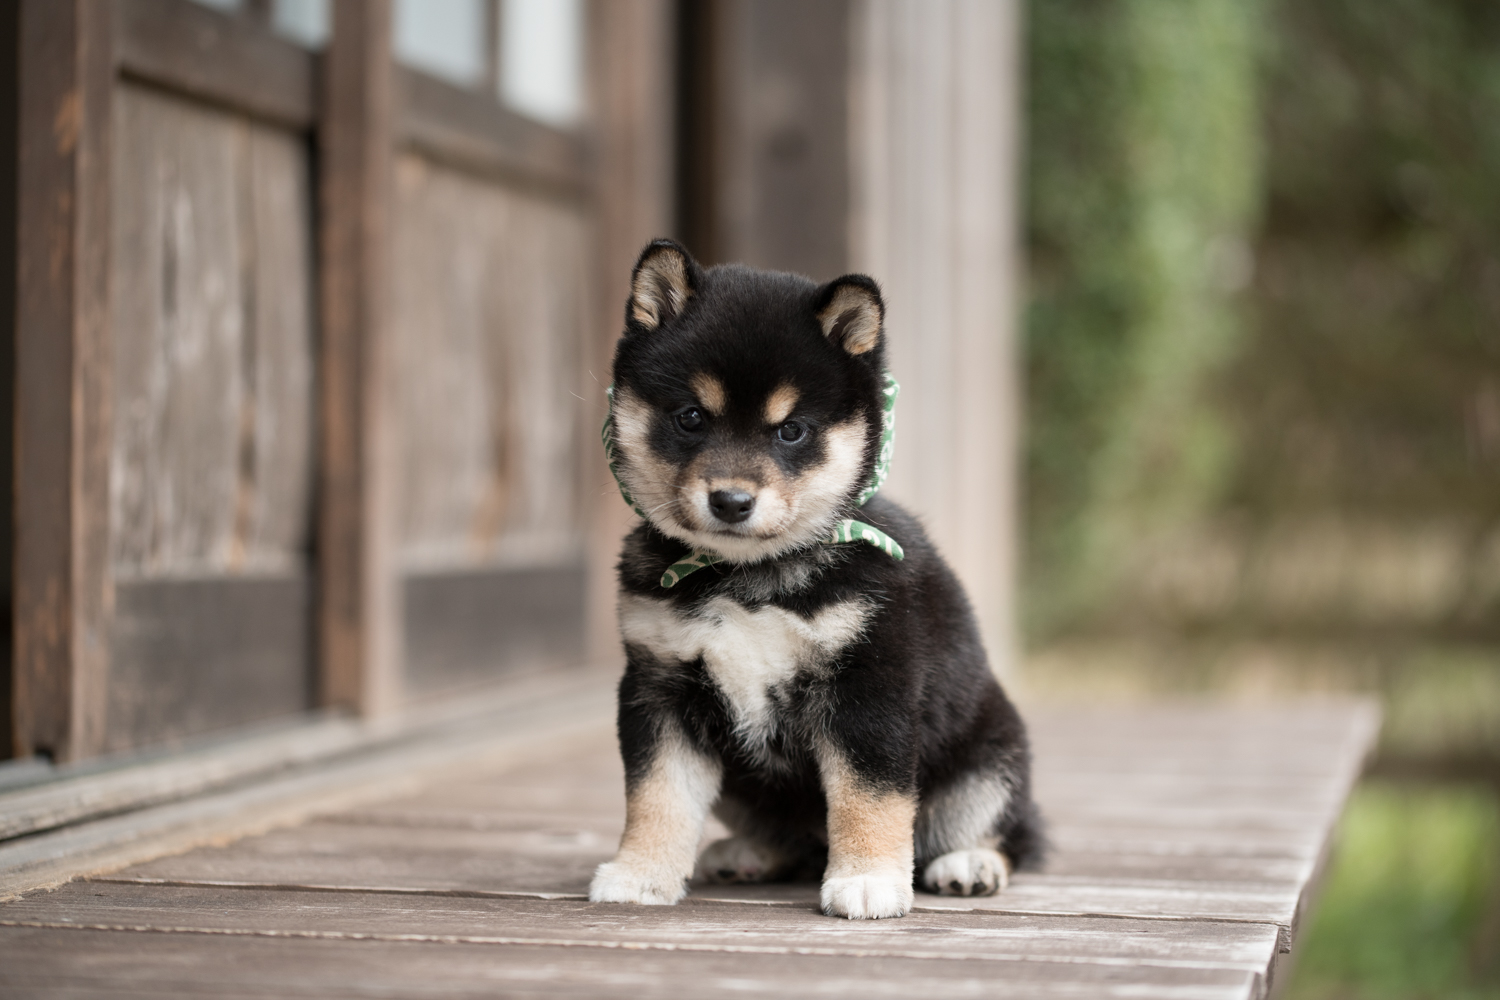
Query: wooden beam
{"points": [[359, 618], [476, 133], [631, 43], [63, 378], [218, 58]]}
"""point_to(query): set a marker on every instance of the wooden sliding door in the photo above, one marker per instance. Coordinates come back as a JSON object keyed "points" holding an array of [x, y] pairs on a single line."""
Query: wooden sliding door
{"points": [[309, 331]]}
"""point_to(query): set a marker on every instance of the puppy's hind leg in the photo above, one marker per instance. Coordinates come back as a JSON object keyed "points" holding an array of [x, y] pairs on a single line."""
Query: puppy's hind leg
{"points": [[958, 839]]}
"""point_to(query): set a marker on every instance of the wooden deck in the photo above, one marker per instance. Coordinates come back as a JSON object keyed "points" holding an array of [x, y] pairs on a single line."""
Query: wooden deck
{"points": [[1188, 838]]}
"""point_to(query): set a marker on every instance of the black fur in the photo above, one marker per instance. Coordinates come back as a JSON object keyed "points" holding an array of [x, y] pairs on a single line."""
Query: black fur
{"points": [[912, 702]]}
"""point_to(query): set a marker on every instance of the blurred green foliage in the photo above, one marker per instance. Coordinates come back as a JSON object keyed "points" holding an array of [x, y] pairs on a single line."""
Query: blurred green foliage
{"points": [[1372, 379], [1411, 908], [1264, 241], [1263, 411], [1144, 175]]}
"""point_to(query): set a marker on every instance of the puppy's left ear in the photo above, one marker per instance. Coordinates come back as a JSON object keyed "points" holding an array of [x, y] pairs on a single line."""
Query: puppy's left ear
{"points": [[852, 312], [665, 277]]}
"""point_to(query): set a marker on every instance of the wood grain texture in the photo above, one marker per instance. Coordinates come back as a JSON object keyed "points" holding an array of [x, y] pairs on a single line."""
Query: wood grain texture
{"points": [[204, 655], [766, 144], [359, 624], [769, 930], [475, 133], [10, 17], [63, 380], [213, 360], [489, 305], [631, 45], [218, 58], [495, 864], [124, 964], [400, 764], [471, 627], [933, 218]]}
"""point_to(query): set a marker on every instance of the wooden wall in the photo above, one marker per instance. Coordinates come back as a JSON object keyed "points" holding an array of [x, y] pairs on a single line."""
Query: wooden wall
{"points": [[306, 365]]}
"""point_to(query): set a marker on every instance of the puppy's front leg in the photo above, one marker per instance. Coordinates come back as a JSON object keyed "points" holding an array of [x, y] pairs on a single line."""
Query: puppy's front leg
{"points": [[869, 870], [668, 793]]}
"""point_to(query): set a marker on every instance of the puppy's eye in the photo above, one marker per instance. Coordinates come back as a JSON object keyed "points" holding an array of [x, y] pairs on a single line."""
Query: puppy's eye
{"points": [[791, 432], [690, 420]]}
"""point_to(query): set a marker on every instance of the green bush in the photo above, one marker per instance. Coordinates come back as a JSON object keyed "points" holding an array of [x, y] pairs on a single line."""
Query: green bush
{"points": [[1143, 175], [1411, 908]]}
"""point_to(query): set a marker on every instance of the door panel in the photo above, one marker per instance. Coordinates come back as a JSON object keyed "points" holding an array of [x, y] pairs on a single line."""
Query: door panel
{"points": [[211, 462], [489, 305]]}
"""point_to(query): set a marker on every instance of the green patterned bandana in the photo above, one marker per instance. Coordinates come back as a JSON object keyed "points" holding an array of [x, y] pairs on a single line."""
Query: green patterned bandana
{"points": [[844, 532]]}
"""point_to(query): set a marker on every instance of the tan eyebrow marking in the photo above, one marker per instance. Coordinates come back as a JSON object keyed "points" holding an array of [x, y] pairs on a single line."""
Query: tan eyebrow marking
{"points": [[710, 392], [779, 404]]}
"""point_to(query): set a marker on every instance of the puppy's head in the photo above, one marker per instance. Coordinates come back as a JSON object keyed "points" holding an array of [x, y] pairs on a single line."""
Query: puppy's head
{"points": [[746, 403]]}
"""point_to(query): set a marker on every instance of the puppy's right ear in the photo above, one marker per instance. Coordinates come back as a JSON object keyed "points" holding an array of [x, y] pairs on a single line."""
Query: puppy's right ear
{"points": [[665, 277]]}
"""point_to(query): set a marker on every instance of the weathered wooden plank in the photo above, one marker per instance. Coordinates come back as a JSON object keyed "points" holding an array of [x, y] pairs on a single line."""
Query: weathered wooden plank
{"points": [[207, 654], [776, 929], [212, 444], [489, 305], [57, 796], [359, 625], [632, 96], [10, 16], [1029, 893], [767, 170], [215, 57], [38, 961], [489, 741], [477, 134], [545, 860], [472, 626], [63, 367]]}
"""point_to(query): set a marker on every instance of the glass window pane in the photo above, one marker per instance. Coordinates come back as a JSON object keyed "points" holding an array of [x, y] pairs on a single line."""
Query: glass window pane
{"points": [[305, 22], [442, 37], [541, 59]]}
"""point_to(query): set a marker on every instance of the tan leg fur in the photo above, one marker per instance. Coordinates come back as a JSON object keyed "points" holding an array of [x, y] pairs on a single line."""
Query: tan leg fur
{"points": [[664, 814], [869, 846]]}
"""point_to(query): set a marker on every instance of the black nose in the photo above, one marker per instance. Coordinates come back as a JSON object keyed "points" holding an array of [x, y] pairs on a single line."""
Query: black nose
{"points": [[731, 506]]}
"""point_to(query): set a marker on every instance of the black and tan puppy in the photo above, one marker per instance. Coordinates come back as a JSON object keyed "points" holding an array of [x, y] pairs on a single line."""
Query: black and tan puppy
{"points": [[799, 661]]}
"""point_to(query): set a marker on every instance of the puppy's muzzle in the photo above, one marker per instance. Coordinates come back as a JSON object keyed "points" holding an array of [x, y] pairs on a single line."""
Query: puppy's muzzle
{"points": [[731, 506]]}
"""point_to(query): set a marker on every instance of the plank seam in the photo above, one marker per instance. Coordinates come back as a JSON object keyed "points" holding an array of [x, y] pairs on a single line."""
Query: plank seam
{"points": [[690, 900], [627, 945]]}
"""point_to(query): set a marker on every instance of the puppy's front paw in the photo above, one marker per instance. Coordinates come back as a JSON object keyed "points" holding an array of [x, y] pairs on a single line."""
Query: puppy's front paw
{"points": [[867, 897], [974, 872], [619, 882]]}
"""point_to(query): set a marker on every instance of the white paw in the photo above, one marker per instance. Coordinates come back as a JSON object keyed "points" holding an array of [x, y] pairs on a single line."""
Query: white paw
{"points": [[867, 897], [975, 872], [735, 859], [618, 882]]}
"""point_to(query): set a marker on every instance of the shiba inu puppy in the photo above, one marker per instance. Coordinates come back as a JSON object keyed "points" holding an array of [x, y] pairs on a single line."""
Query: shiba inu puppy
{"points": [[800, 659]]}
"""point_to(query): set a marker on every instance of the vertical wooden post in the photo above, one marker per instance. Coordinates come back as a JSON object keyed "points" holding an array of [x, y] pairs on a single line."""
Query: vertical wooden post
{"points": [[631, 45], [933, 123], [359, 618], [766, 178], [63, 379]]}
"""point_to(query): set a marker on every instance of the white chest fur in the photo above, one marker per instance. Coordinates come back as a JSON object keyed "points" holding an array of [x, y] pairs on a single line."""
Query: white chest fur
{"points": [[746, 651]]}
